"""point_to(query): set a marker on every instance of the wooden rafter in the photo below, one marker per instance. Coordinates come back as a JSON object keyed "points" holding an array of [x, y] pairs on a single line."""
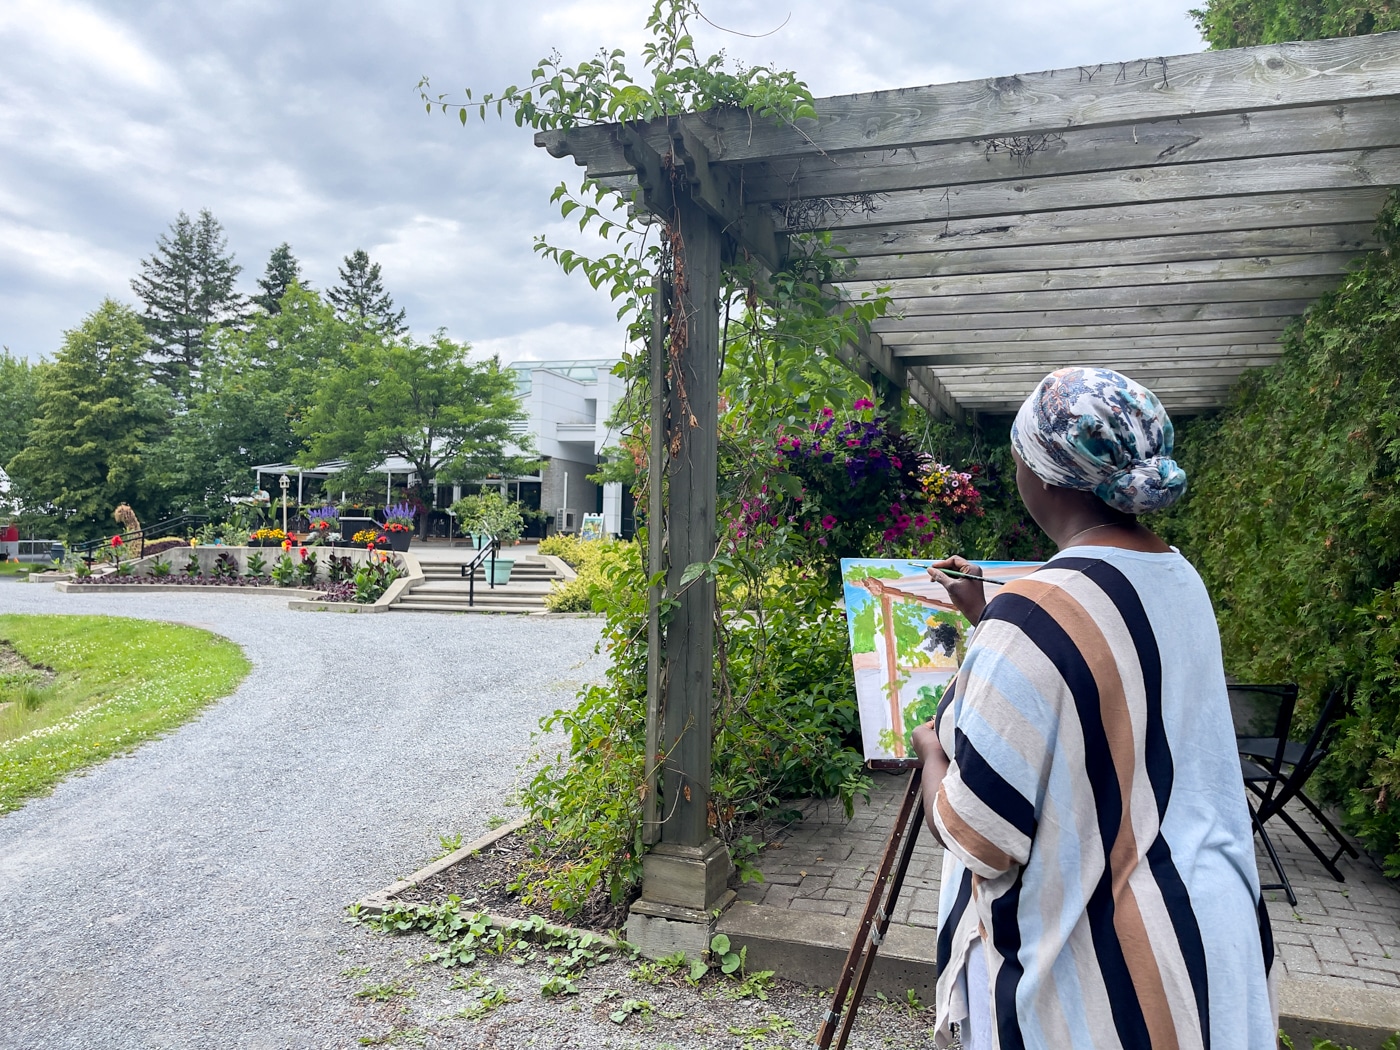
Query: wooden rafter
{"points": [[1169, 217]]}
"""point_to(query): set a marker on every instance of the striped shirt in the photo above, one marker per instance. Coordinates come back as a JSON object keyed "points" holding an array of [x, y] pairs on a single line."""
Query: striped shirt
{"points": [[1095, 821]]}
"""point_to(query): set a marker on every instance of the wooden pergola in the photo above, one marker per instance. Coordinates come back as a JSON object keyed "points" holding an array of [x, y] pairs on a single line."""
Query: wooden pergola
{"points": [[1166, 217]]}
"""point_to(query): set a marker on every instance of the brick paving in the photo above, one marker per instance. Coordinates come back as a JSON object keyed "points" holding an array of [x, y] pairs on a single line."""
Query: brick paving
{"points": [[1346, 932]]}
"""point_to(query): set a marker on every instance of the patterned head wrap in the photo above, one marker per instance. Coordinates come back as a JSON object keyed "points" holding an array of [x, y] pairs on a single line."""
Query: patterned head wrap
{"points": [[1096, 430]]}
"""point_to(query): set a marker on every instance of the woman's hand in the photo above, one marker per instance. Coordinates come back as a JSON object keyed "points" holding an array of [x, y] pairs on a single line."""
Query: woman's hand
{"points": [[924, 740], [968, 595]]}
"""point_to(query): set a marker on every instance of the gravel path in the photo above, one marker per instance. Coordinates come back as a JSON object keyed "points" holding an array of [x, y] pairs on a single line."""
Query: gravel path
{"points": [[191, 894]]}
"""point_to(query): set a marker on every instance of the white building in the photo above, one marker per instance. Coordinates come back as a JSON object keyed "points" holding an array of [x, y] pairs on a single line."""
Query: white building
{"points": [[568, 404]]}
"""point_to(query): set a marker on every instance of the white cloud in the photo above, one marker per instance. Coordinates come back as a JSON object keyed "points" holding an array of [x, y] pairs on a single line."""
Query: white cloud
{"points": [[553, 342], [80, 40], [300, 123]]}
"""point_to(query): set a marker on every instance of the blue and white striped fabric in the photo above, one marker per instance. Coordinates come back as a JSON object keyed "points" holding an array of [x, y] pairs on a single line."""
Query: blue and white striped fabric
{"points": [[1095, 822]]}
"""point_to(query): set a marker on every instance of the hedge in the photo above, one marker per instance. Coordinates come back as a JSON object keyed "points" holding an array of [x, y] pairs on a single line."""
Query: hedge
{"points": [[1293, 518]]}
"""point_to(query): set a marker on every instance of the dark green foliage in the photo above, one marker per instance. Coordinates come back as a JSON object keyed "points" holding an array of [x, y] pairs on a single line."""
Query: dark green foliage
{"points": [[262, 381], [187, 286], [785, 727], [283, 271], [1245, 23], [360, 299], [425, 401], [19, 403], [1004, 531], [99, 412], [1293, 518]]}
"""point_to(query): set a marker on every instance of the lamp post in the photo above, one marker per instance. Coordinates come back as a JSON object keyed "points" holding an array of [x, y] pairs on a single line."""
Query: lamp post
{"points": [[286, 483]]}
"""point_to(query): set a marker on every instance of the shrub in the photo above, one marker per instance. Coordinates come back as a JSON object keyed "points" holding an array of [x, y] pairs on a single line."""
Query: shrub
{"points": [[1293, 518], [165, 543], [566, 547], [590, 561], [787, 729]]}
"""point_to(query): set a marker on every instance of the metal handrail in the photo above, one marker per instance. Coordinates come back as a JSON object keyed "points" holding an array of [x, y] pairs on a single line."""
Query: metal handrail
{"points": [[469, 570], [86, 550]]}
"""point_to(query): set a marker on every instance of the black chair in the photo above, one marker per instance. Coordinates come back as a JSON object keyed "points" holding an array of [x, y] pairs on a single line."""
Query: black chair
{"points": [[1276, 769]]}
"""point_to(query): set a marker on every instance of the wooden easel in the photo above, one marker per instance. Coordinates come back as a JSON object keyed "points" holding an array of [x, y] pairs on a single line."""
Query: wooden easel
{"points": [[889, 880]]}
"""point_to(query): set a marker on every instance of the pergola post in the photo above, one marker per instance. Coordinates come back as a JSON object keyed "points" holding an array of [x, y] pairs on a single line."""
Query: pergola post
{"points": [[686, 876]]}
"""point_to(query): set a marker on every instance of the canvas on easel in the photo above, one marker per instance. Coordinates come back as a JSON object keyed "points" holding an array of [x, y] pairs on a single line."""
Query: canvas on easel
{"points": [[907, 641]]}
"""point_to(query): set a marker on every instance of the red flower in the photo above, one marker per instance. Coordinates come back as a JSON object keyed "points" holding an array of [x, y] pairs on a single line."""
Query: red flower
{"points": [[117, 541], [303, 554]]}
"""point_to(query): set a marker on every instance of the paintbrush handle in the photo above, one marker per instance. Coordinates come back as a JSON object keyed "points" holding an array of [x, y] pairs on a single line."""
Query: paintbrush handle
{"points": [[969, 576]]}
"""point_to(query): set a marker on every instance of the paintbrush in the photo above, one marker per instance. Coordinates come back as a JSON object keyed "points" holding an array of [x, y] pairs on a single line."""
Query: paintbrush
{"points": [[969, 576]]}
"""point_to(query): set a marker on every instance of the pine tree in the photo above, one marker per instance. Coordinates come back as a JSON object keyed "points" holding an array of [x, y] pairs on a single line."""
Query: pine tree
{"points": [[282, 269], [360, 298], [187, 286], [98, 414]]}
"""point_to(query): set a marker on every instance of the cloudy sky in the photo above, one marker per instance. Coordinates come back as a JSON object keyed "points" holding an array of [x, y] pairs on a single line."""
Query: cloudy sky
{"points": [[301, 122]]}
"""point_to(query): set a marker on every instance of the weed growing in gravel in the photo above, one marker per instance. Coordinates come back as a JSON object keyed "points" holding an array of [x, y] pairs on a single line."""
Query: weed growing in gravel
{"points": [[448, 845], [465, 934], [382, 993]]}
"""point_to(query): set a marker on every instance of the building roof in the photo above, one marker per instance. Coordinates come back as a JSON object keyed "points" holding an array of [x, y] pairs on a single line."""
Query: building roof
{"points": [[1164, 216]]}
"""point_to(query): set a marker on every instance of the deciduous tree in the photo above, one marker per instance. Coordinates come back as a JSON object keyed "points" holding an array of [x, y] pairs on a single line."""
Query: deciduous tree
{"points": [[425, 401], [19, 402], [261, 383], [1245, 23]]}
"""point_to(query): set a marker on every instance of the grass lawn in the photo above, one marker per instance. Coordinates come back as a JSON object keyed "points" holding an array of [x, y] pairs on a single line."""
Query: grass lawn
{"points": [[19, 568], [80, 689]]}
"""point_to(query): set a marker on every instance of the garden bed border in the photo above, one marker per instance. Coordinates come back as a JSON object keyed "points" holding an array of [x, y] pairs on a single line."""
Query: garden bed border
{"points": [[380, 901], [302, 599]]}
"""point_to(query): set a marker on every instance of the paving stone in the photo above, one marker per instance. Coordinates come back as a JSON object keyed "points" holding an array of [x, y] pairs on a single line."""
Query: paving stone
{"points": [[829, 907], [1338, 932]]}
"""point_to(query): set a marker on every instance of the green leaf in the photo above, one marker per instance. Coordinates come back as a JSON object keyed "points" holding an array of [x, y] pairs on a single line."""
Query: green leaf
{"points": [[692, 572], [730, 962], [719, 944], [698, 969]]}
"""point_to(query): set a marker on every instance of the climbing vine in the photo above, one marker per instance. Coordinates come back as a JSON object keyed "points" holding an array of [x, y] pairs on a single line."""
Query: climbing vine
{"points": [[785, 723]]}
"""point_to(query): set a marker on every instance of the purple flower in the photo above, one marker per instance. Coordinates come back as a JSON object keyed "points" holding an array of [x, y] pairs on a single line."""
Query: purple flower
{"points": [[829, 522], [864, 403]]}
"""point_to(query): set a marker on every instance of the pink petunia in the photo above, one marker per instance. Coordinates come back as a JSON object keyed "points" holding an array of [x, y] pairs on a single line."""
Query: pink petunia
{"points": [[864, 403], [829, 522]]}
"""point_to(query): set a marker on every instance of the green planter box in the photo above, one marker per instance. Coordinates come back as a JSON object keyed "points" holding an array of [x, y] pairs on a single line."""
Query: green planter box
{"points": [[499, 570]]}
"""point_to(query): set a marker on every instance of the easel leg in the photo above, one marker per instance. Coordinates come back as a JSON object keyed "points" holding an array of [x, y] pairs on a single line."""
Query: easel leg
{"points": [[876, 919]]}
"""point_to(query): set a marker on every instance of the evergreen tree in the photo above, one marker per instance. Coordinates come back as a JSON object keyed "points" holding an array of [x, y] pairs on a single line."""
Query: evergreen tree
{"points": [[1245, 23], [260, 387], [19, 402], [361, 300], [187, 286], [98, 412], [282, 270]]}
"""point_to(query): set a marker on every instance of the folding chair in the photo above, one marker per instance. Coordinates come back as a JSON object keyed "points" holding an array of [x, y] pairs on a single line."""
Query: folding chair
{"points": [[1275, 786], [1262, 715]]}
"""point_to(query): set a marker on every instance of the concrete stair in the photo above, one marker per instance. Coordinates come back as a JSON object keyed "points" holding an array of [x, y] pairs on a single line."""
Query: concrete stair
{"points": [[444, 589]]}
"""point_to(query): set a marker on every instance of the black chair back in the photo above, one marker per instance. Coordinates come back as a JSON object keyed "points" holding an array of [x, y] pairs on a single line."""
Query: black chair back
{"points": [[1262, 715]]}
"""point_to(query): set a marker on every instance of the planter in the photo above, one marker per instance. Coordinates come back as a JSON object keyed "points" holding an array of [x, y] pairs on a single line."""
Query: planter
{"points": [[399, 541], [499, 570]]}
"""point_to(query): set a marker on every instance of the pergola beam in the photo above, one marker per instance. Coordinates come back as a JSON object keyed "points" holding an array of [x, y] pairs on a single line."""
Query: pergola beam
{"points": [[1205, 295], [1259, 133], [1137, 275], [912, 320], [1323, 177], [1110, 254], [1244, 80]]}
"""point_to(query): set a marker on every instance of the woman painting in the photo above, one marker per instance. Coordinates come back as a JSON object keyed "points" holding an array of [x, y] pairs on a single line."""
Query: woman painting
{"points": [[1099, 884]]}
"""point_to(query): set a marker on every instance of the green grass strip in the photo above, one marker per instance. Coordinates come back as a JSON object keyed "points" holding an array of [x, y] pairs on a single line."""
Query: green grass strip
{"points": [[117, 682]]}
